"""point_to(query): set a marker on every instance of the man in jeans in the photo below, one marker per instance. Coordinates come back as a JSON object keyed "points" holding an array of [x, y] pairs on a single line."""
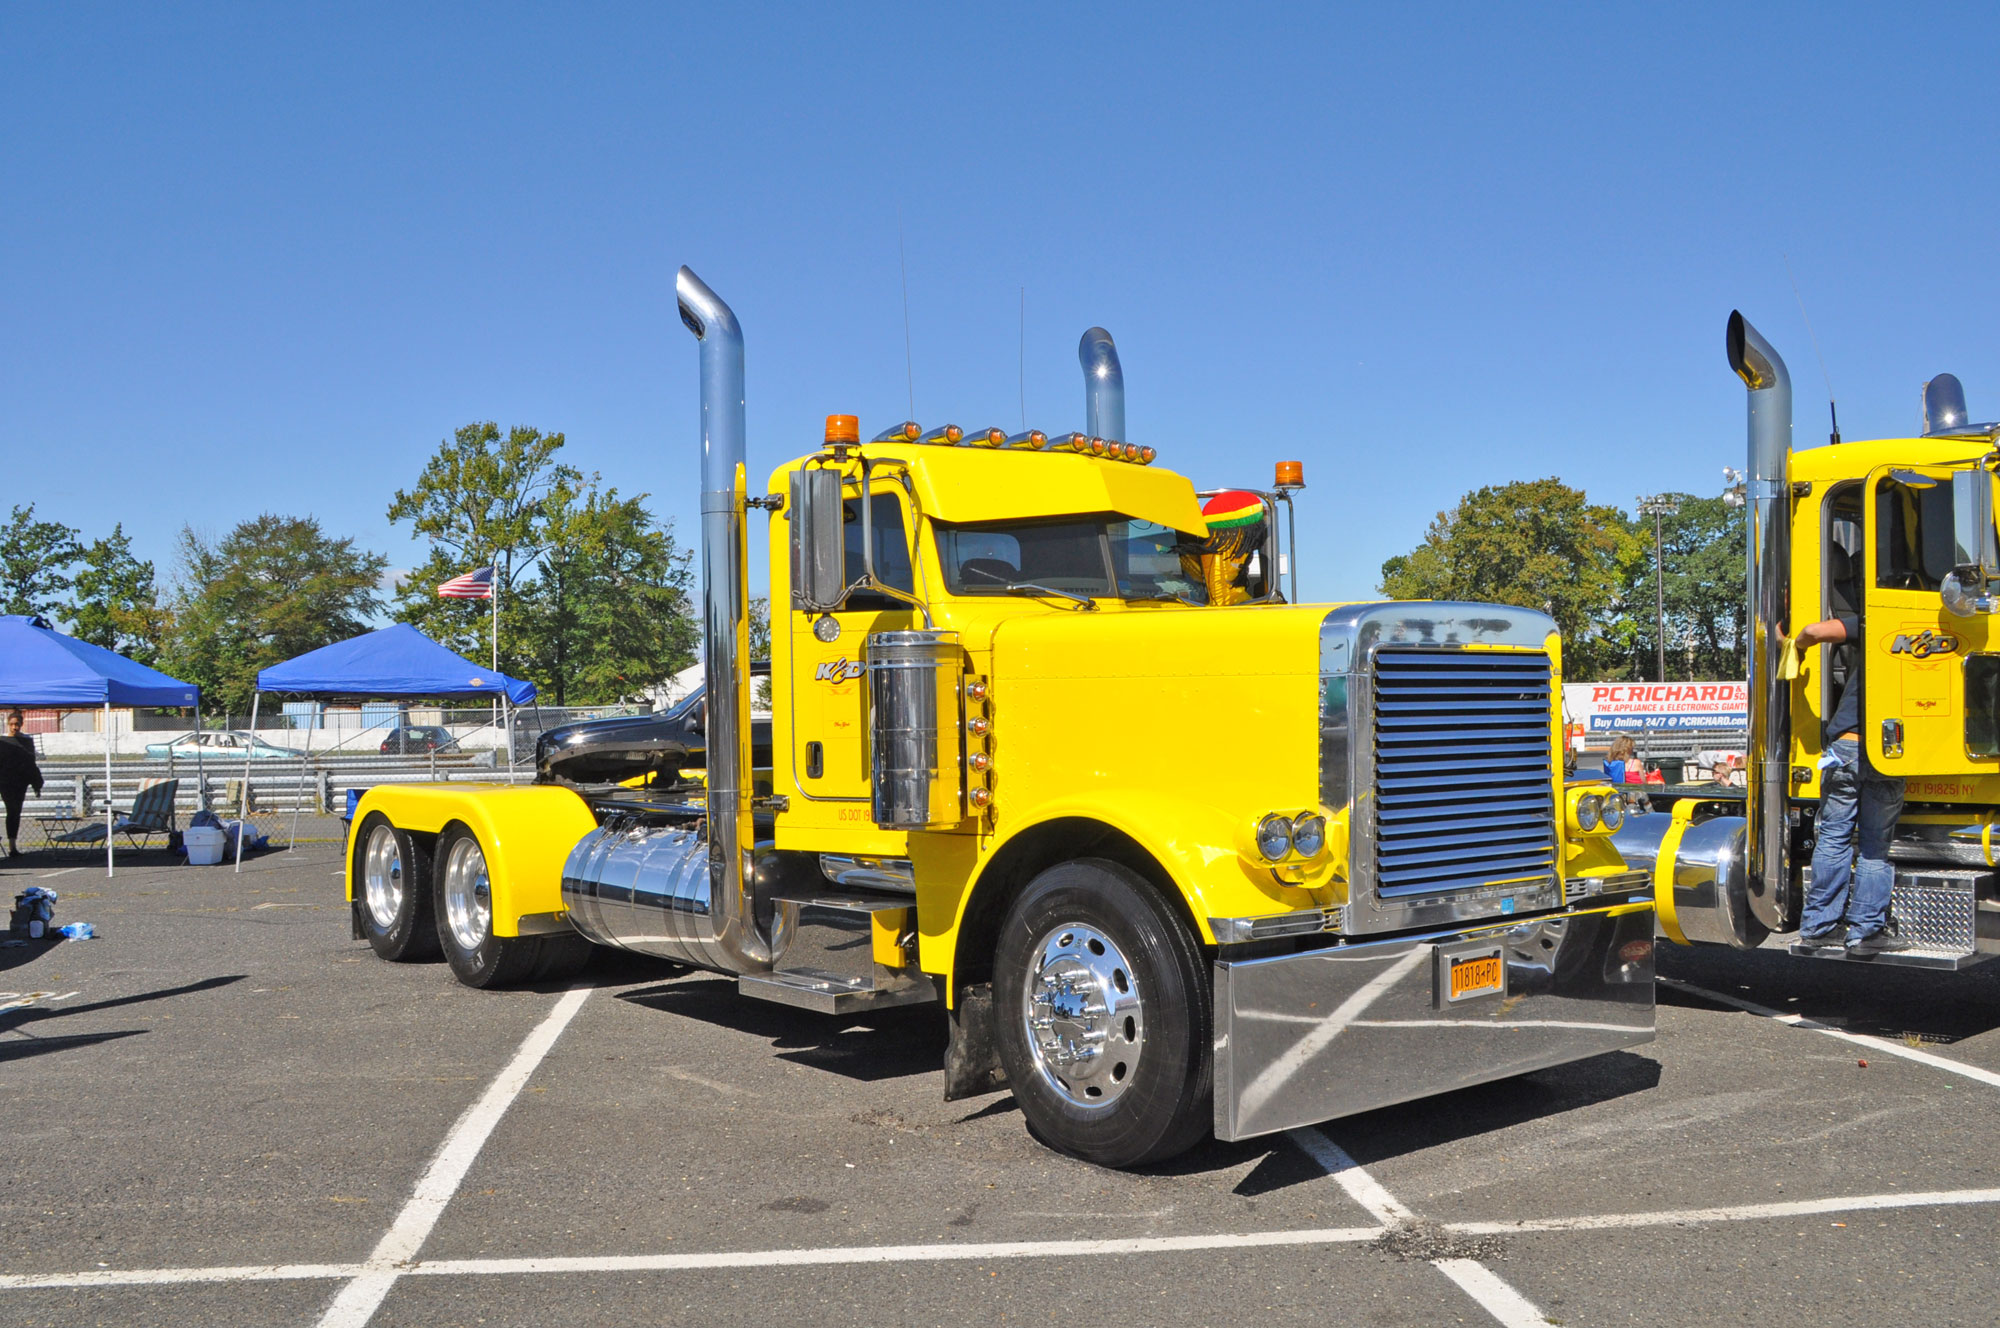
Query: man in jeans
{"points": [[1858, 807]]}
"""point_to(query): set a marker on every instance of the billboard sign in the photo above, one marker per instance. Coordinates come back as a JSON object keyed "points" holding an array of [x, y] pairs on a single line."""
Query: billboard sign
{"points": [[1611, 707]]}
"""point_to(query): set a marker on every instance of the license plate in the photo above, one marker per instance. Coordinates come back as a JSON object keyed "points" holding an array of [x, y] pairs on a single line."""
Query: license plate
{"points": [[1476, 977], [1471, 973]]}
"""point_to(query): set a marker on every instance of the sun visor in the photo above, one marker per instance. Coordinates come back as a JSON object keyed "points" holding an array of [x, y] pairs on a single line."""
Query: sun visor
{"points": [[964, 485]]}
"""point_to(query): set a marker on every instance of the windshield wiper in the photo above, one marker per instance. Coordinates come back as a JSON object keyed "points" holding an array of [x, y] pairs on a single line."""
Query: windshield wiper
{"points": [[1016, 587], [1165, 597]]}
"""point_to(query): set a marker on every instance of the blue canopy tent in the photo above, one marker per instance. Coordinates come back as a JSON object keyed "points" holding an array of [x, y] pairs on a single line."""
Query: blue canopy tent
{"points": [[397, 661], [39, 666]]}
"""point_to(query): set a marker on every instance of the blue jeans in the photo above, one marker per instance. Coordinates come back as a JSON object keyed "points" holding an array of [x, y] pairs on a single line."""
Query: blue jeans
{"points": [[1857, 802]]}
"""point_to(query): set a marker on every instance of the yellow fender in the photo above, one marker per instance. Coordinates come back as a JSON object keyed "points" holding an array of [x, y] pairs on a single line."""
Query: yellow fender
{"points": [[526, 832], [1194, 841]]}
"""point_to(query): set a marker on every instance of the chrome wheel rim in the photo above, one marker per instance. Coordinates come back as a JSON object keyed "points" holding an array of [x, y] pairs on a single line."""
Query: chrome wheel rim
{"points": [[1084, 1015], [468, 898], [382, 876]]}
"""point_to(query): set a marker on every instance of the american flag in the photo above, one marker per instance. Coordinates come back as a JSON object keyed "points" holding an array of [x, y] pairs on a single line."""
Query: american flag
{"points": [[476, 584]]}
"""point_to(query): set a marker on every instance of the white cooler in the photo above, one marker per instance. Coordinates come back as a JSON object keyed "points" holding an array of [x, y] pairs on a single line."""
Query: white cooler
{"points": [[204, 845]]}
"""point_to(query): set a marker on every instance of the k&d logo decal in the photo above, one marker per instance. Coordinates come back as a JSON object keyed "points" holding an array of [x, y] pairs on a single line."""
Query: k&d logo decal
{"points": [[1923, 645], [837, 670]]}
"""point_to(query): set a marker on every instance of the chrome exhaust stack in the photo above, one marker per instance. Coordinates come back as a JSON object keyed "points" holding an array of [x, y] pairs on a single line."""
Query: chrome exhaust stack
{"points": [[1103, 386], [642, 887], [1768, 567], [1944, 407]]}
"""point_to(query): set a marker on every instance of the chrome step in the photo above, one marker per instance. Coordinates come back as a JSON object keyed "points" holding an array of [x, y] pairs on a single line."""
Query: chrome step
{"points": [[829, 993], [1950, 960], [850, 951], [1937, 909]]}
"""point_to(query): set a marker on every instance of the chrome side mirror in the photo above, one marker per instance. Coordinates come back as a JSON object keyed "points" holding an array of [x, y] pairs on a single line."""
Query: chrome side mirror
{"points": [[819, 540], [1976, 555]]}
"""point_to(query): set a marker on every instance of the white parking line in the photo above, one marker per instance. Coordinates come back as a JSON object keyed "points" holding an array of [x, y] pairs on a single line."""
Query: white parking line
{"points": [[360, 1298], [1487, 1289], [1676, 1217], [1356, 1181], [50, 876], [1881, 1045]]}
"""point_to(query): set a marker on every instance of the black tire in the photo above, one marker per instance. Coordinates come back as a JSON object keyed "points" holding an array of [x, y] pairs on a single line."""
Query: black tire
{"points": [[1148, 1093], [391, 872], [464, 910]]}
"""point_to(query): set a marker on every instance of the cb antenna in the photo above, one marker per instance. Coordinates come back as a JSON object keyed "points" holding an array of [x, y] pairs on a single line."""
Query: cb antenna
{"points": [[1831, 408], [909, 361], [1024, 359]]}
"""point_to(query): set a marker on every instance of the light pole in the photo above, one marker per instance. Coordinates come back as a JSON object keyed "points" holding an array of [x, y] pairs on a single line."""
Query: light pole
{"points": [[1657, 506]]}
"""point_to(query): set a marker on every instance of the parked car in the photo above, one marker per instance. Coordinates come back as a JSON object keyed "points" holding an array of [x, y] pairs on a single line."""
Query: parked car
{"points": [[418, 738], [220, 745]]}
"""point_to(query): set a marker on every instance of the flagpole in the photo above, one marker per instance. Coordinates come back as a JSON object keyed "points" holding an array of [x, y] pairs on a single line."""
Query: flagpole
{"points": [[496, 631]]}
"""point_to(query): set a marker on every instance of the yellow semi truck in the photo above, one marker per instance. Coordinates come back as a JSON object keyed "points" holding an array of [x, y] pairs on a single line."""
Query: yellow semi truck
{"points": [[1900, 533], [1170, 867]]}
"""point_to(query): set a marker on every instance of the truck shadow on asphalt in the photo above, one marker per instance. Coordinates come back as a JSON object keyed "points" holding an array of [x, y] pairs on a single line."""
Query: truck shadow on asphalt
{"points": [[894, 1043], [905, 1042], [27, 1044], [1903, 1004]]}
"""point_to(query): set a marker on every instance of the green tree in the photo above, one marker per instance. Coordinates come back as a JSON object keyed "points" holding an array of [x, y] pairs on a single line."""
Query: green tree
{"points": [[607, 613], [117, 602], [480, 501], [1536, 543], [594, 592], [1702, 552], [35, 562], [274, 587]]}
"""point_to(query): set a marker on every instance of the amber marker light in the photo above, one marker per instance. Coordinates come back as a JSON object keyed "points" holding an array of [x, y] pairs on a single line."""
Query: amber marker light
{"points": [[1070, 442], [987, 437], [843, 429], [1129, 451], [906, 432], [980, 797], [1098, 446], [1146, 455], [1291, 475], [945, 435], [1033, 440]]}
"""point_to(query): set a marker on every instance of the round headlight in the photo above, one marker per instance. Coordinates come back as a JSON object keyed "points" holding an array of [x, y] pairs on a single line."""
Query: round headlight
{"points": [[1309, 834], [1588, 809], [1614, 811], [1274, 836]]}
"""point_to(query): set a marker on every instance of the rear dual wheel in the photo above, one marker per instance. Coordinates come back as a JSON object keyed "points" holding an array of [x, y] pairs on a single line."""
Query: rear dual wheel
{"points": [[392, 885], [464, 909]]}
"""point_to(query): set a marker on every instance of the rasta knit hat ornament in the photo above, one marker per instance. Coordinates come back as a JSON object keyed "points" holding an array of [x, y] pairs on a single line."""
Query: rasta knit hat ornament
{"points": [[1231, 509]]}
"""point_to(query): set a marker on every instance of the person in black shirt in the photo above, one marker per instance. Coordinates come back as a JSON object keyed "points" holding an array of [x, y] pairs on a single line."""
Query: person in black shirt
{"points": [[17, 771], [1848, 904]]}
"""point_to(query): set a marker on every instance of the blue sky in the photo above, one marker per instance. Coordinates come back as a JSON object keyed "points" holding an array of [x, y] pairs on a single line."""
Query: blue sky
{"points": [[265, 258]]}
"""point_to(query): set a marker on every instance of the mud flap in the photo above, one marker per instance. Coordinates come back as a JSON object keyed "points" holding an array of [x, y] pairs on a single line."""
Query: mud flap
{"points": [[972, 1059]]}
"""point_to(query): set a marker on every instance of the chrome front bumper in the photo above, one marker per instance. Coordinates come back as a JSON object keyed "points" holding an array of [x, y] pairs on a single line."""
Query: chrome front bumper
{"points": [[1308, 1037]]}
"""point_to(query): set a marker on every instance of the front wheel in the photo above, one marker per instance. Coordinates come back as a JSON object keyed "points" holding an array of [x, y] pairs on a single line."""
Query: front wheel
{"points": [[465, 918], [1103, 1015], [392, 884]]}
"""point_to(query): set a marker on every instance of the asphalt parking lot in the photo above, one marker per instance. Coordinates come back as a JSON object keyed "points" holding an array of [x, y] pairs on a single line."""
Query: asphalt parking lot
{"points": [[225, 1111]]}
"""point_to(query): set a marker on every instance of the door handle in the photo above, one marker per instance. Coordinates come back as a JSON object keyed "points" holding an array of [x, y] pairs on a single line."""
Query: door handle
{"points": [[1892, 737], [815, 760]]}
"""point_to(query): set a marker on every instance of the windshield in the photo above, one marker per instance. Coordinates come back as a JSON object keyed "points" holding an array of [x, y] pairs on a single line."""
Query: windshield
{"points": [[1098, 555]]}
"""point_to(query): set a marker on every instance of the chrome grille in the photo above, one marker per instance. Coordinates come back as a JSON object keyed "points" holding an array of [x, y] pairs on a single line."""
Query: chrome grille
{"points": [[1464, 761]]}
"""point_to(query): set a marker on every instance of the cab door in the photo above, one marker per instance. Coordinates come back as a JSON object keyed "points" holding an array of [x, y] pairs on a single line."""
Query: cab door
{"points": [[829, 744], [1913, 721]]}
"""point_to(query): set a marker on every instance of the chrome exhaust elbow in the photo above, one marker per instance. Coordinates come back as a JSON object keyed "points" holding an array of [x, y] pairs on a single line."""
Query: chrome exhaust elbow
{"points": [[1103, 385]]}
